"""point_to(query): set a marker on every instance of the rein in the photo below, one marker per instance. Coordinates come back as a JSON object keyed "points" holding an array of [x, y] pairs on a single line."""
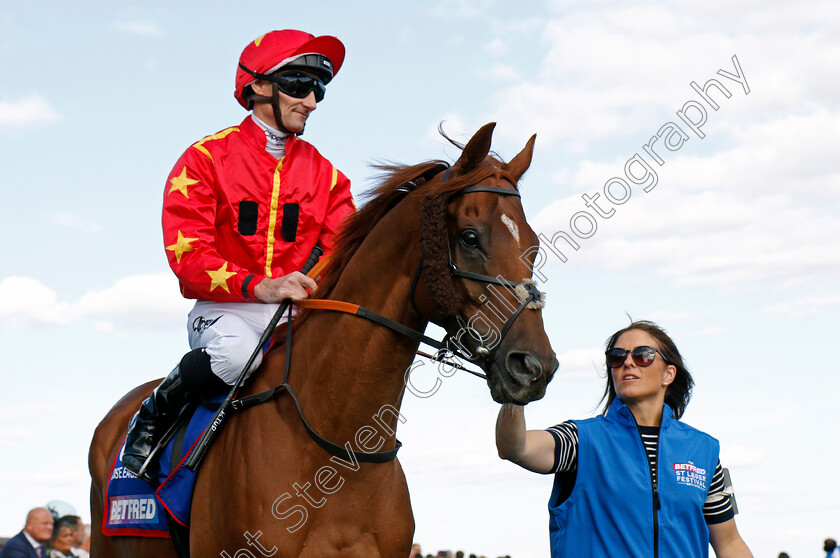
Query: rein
{"points": [[345, 452], [443, 347], [526, 292]]}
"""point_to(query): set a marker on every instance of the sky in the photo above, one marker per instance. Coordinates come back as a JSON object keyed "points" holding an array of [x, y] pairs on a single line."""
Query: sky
{"points": [[724, 231]]}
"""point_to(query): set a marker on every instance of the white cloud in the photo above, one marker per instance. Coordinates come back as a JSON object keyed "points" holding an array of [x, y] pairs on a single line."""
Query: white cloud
{"points": [[763, 209], [29, 112], [801, 307], [496, 47], [792, 154], [25, 302], [760, 16], [144, 302], [139, 27], [606, 74]]}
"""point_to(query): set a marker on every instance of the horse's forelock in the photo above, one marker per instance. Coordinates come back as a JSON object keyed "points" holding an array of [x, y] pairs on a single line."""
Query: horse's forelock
{"points": [[434, 250], [434, 242]]}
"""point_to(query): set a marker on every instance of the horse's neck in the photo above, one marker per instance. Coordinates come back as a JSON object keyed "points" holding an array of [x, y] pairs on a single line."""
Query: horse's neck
{"points": [[346, 368]]}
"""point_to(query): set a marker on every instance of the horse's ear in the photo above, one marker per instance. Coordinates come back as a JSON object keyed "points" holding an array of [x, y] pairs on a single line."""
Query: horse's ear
{"points": [[475, 151], [519, 164]]}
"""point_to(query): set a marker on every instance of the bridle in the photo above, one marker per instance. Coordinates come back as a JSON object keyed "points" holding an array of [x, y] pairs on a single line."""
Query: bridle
{"points": [[526, 291], [527, 294]]}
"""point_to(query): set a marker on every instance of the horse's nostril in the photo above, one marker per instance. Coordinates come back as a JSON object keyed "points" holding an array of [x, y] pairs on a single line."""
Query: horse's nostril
{"points": [[532, 365], [524, 367]]}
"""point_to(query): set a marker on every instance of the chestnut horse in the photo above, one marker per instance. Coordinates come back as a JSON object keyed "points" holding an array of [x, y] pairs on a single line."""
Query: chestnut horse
{"points": [[434, 243]]}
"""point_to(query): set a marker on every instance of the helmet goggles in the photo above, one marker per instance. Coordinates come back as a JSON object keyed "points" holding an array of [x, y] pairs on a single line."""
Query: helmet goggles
{"points": [[298, 85], [304, 75]]}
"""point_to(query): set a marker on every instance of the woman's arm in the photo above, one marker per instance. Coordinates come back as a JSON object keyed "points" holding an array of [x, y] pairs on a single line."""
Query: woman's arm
{"points": [[530, 449], [727, 542]]}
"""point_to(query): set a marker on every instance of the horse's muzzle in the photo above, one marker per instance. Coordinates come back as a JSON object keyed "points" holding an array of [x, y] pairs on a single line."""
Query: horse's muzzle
{"points": [[523, 377]]}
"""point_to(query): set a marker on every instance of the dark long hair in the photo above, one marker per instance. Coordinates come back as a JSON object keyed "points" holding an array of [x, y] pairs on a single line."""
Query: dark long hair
{"points": [[678, 393], [69, 521]]}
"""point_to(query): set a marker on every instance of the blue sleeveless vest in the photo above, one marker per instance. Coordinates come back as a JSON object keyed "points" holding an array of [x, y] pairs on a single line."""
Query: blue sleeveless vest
{"points": [[613, 510]]}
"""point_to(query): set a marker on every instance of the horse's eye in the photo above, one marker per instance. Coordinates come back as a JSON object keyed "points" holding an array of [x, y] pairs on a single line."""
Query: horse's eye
{"points": [[469, 239]]}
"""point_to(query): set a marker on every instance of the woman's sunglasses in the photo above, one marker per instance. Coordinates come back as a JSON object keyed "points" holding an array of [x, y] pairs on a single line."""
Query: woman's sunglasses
{"points": [[642, 356], [299, 85]]}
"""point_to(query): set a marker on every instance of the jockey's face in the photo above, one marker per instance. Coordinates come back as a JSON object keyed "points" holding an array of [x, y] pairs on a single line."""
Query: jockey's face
{"points": [[294, 112]]}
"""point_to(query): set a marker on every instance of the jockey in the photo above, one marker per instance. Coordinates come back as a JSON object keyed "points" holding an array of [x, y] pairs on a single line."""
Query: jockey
{"points": [[242, 210]]}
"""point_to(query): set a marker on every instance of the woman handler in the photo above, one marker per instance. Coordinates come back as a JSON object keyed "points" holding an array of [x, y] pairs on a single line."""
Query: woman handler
{"points": [[634, 481]]}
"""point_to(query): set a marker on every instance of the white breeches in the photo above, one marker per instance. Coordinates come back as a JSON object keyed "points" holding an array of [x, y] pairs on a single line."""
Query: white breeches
{"points": [[229, 332]]}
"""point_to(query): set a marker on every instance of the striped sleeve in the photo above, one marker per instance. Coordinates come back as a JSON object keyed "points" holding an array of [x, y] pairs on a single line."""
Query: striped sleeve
{"points": [[719, 502], [565, 446]]}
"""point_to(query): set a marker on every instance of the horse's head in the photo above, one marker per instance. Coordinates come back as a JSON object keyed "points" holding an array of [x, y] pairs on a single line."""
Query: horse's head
{"points": [[478, 255]]}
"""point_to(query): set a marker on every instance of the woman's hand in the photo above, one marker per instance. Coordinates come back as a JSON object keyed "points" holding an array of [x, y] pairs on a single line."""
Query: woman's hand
{"points": [[530, 449]]}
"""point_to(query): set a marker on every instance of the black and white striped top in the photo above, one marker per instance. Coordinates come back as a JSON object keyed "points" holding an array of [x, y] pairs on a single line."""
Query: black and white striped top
{"points": [[719, 505]]}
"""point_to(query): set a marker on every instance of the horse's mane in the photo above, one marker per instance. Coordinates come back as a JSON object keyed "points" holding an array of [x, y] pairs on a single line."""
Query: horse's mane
{"points": [[397, 182]]}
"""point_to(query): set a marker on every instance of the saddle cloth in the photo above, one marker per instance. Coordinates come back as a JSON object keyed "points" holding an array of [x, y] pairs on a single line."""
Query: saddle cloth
{"points": [[136, 508]]}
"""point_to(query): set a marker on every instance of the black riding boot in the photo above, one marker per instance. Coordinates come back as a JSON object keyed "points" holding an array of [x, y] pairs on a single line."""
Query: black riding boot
{"points": [[192, 379]]}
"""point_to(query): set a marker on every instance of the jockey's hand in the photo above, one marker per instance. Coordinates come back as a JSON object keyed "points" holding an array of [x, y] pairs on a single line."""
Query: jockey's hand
{"points": [[293, 285]]}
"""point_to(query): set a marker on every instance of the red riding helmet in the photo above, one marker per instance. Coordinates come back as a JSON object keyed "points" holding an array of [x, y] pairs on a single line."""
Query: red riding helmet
{"points": [[278, 48]]}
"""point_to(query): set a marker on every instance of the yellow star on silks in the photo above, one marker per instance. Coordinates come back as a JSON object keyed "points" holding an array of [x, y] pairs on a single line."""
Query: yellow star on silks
{"points": [[219, 277], [181, 246], [181, 182]]}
